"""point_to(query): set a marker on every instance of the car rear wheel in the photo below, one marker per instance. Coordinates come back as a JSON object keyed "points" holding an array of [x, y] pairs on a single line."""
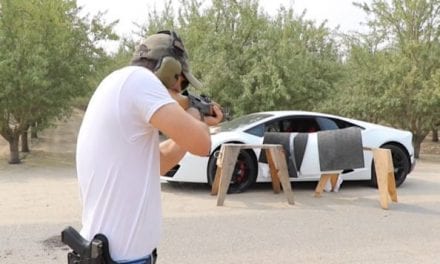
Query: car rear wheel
{"points": [[401, 165], [244, 174]]}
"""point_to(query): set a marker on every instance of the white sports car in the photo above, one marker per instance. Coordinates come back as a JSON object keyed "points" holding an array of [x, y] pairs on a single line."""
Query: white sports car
{"points": [[250, 129]]}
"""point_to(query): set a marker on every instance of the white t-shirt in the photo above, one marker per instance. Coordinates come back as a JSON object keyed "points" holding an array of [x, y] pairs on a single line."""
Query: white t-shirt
{"points": [[118, 163]]}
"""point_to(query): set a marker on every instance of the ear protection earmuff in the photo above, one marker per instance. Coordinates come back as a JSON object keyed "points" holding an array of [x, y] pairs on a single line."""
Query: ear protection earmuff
{"points": [[168, 71], [169, 67]]}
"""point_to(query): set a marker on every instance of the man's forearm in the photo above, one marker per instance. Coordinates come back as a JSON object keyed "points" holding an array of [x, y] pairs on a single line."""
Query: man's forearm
{"points": [[170, 155]]}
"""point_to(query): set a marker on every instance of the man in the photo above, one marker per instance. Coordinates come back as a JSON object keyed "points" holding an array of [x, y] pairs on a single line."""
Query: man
{"points": [[119, 156]]}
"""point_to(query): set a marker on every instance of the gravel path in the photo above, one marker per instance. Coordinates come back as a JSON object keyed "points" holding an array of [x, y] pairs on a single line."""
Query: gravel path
{"points": [[40, 197], [37, 202]]}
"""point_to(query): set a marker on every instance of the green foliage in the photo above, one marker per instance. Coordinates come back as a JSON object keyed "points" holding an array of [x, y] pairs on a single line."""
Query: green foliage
{"points": [[250, 61], [394, 69], [47, 54]]}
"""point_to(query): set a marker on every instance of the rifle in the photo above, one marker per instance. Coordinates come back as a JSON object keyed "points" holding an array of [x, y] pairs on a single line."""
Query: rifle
{"points": [[186, 100]]}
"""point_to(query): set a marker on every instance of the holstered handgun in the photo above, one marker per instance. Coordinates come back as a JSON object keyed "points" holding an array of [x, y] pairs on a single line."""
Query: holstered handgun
{"points": [[84, 251]]}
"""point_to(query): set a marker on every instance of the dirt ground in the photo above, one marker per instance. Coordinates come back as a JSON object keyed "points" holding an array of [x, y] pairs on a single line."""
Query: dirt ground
{"points": [[39, 197]]}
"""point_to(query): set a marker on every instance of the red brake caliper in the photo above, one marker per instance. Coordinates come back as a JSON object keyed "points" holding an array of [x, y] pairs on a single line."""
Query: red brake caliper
{"points": [[241, 172]]}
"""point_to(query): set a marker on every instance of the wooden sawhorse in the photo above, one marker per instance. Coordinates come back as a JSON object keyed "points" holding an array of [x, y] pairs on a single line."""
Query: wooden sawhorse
{"points": [[383, 163], [226, 163]]}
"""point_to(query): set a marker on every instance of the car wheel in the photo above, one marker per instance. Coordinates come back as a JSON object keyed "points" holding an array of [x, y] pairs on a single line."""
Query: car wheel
{"points": [[401, 165], [244, 174]]}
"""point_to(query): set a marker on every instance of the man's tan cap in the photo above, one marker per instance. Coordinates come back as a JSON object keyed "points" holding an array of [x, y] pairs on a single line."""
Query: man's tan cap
{"points": [[167, 43]]}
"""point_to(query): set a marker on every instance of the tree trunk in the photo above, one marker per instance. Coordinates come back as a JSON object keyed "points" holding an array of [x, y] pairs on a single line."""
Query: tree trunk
{"points": [[24, 141], [34, 134], [13, 138], [417, 141], [13, 147], [34, 131], [434, 135]]}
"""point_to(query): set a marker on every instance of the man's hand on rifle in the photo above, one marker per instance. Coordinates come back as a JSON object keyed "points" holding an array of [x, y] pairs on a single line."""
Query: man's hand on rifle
{"points": [[216, 118]]}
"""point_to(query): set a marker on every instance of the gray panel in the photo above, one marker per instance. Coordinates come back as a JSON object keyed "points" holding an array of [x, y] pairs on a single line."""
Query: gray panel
{"points": [[299, 148], [340, 149], [284, 139]]}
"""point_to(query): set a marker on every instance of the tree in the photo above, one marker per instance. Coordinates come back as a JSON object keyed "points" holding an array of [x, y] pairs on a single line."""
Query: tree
{"points": [[395, 68], [434, 134], [249, 61], [47, 54], [359, 94]]}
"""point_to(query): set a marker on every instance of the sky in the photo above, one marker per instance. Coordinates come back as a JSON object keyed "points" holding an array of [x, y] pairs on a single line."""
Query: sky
{"points": [[340, 13]]}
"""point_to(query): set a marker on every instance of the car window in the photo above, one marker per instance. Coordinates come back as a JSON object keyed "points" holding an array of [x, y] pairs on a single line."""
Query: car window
{"points": [[256, 131], [240, 122], [327, 123], [289, 124], [273, 127], [293, 124], [300, 124]]}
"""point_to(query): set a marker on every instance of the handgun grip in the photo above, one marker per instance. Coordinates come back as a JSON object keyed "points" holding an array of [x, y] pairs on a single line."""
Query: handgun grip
{"points": [[74, 240]]}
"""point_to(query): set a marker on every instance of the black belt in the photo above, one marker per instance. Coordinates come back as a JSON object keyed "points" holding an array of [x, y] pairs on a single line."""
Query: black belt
{"points": [[91, 252]]}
